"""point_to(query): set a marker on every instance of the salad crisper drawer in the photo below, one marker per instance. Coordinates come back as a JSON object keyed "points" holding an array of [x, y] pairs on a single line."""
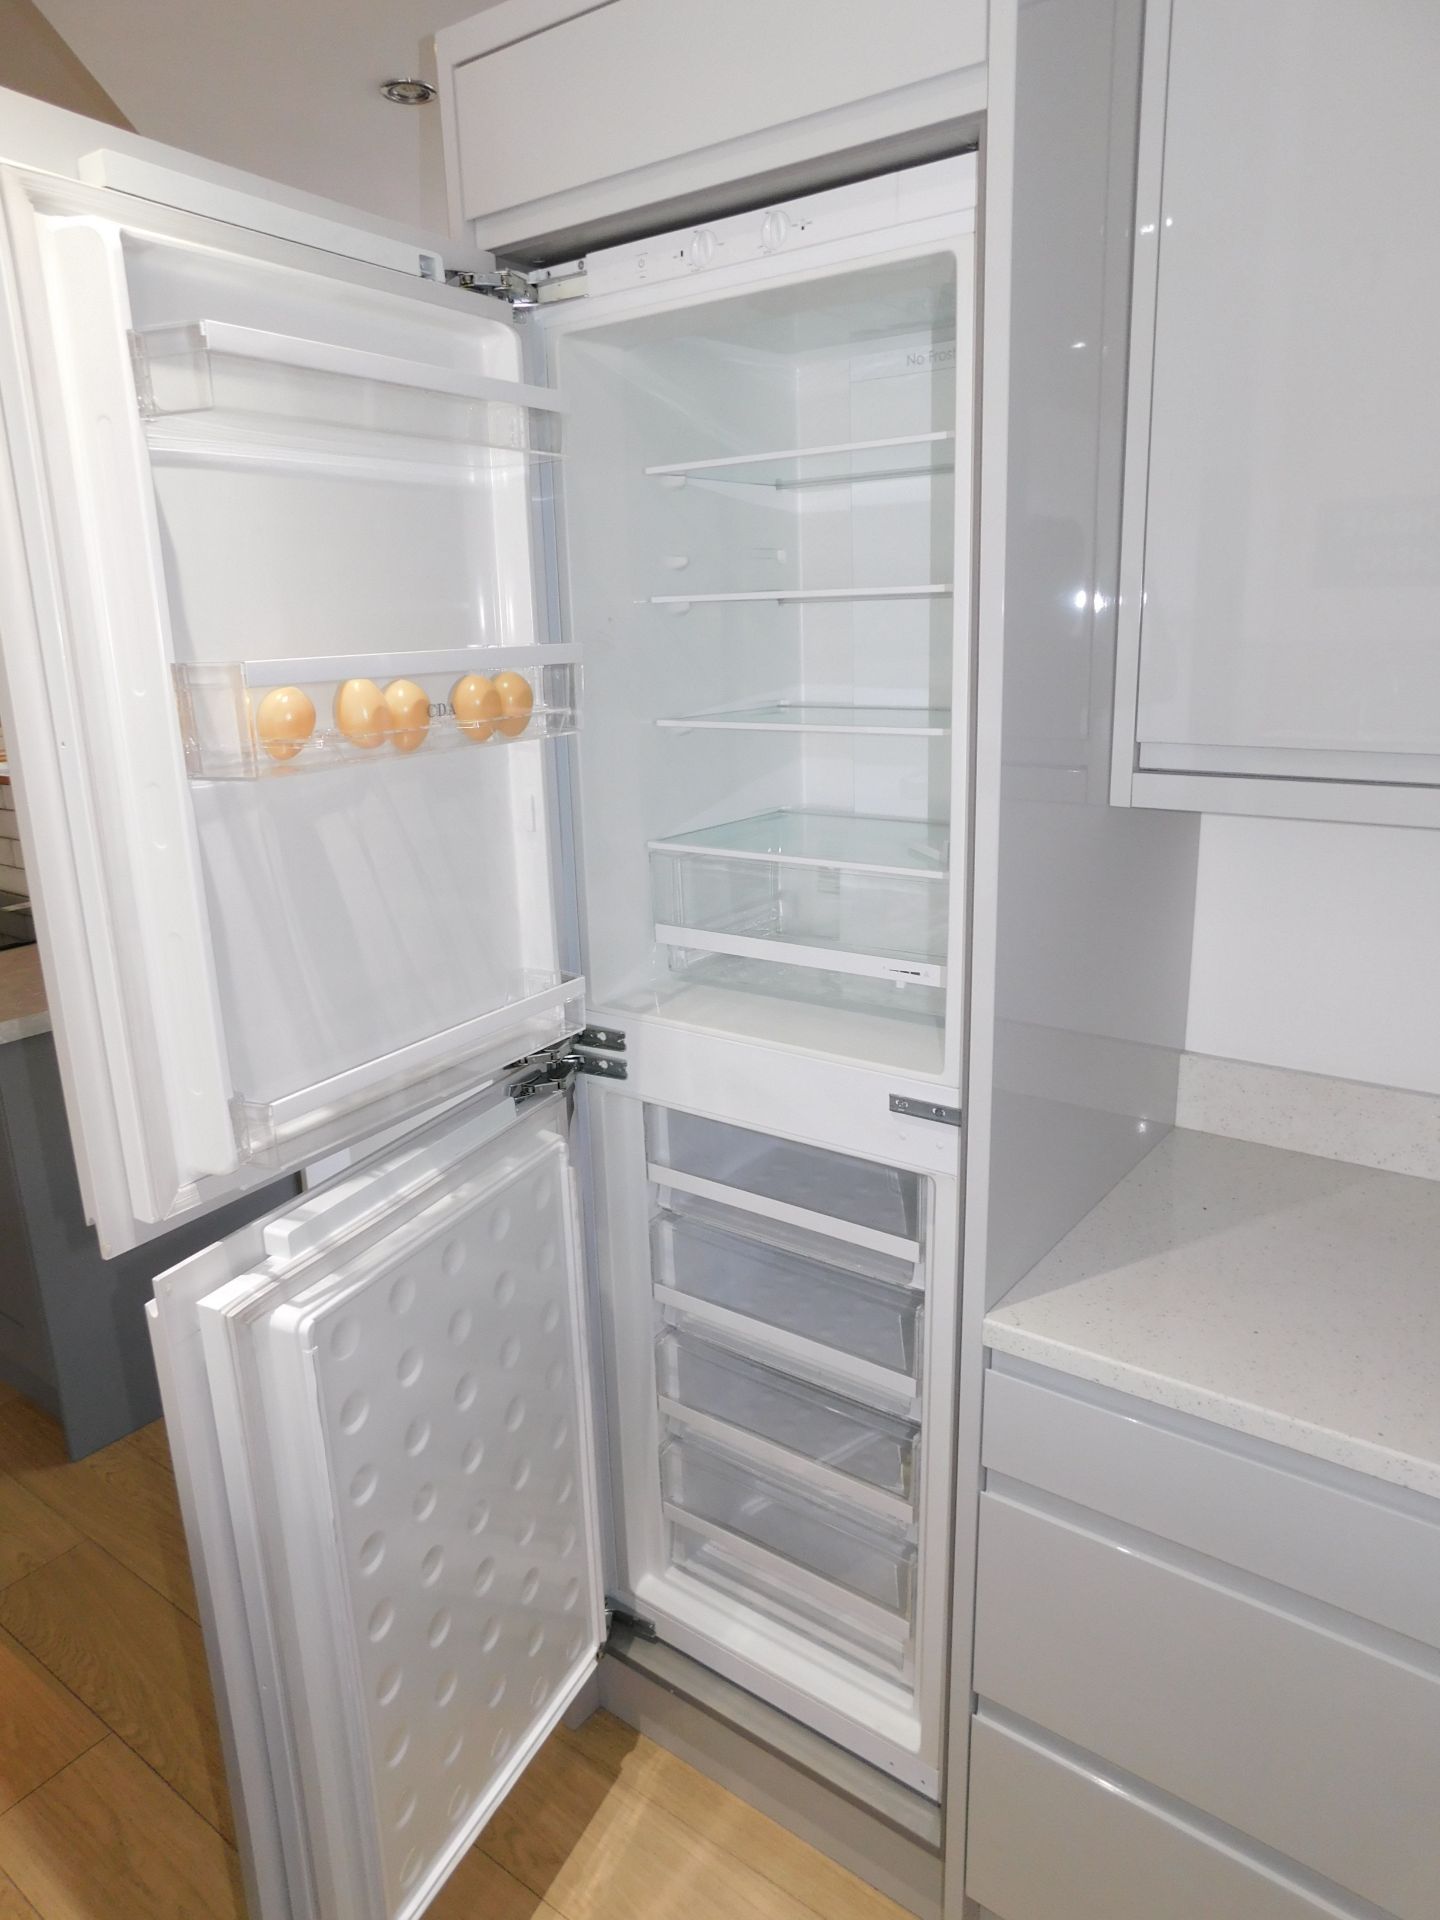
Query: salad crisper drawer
{"points": [[842, 1446], [868, 1571], [857, 1200], [805, 1311]]}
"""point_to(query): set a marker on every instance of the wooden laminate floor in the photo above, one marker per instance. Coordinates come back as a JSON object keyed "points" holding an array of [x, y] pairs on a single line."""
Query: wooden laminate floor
{"points": [[112, 1794]]}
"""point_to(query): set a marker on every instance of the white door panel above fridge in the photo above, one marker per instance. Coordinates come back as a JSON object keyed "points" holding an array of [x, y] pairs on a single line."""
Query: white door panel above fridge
{"points": [[380, 1411], [293, 694]]}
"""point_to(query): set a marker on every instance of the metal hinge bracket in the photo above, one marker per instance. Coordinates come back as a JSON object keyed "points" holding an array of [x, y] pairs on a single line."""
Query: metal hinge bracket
{"points": [[924, 1110], [617, 1616], [556, 1069], [516, 289], [523, 290]]}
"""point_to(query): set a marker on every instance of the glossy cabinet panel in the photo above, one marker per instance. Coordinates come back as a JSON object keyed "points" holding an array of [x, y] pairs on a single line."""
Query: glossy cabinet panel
{"points": [[1291, 516], [1109, 1850], [1277, 1724]]}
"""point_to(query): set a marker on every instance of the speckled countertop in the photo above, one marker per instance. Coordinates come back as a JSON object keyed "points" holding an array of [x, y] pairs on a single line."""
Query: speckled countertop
{"points": [[1289, 1297], [23, 1008]]}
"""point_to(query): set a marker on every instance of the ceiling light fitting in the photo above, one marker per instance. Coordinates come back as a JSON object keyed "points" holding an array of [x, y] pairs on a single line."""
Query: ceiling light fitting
{"points": [[407, 93]]}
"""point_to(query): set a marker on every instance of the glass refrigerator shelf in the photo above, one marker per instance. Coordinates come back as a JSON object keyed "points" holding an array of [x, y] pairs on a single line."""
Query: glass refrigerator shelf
{"points": [[842, 463]]}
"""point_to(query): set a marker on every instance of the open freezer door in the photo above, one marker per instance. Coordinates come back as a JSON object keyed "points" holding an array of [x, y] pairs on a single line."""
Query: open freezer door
{"points": [[378, 1406], [280, 690]]}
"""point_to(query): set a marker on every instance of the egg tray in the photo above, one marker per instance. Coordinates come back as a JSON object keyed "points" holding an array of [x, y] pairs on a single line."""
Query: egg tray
{"points": [[240, 723]]}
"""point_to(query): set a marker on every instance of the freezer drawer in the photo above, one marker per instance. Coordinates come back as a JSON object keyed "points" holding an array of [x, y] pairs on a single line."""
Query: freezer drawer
{"points": [[865, 1571], [801, 1309], [1321, 1745], [856, 1200], [1053, 1837], [781, 1422], [749, 1583]]}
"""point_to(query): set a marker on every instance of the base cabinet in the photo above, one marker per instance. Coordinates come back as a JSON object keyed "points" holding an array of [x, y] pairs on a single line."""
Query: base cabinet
{"points": [[1164, 1731], [1055, 1838]]}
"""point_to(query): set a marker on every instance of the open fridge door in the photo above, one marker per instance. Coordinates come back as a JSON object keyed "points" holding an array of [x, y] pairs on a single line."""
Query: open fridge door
{"points": [[379, 1408], [280, 690]]}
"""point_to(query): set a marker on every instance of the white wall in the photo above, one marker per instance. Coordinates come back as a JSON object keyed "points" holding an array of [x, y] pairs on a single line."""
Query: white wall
{"points": [[1318, 947], [283, 88]]}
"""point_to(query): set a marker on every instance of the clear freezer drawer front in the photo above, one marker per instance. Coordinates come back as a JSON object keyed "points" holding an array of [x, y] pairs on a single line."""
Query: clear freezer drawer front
{"points": [[834, 1314], [868, 1572], [792, 1422]]}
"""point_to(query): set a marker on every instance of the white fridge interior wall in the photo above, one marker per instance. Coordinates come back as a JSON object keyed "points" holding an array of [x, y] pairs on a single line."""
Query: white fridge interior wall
{"points": [[747, 714]]}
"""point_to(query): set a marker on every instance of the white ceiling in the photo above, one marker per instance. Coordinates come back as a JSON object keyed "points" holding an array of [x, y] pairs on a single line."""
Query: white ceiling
{"points": [[286, 88]]}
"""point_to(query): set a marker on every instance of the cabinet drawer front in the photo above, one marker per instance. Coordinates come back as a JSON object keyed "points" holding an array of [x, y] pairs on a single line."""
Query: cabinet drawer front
{"points": [[1365, 1556], [1107, 1853], [1309, 1743]]}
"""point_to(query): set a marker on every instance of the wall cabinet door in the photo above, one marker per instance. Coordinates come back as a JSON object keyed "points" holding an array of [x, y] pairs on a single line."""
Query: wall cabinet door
{"points": [[1283, 510], [561, 114]]}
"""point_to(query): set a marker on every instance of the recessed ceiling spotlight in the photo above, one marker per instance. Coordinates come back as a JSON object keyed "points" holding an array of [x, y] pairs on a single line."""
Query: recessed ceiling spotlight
{"points": [[407, 93]]}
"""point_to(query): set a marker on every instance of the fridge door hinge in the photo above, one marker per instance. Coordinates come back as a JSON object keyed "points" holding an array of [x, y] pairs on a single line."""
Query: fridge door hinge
{"points": [[636, 1623], [555, 1069], [924, 1110], [523, 290]]}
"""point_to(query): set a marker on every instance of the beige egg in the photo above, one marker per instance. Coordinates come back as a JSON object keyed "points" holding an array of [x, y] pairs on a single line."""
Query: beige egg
{"points": [[517, 699], [361, 713], [284, 721], [409, 715], [476, 705]]}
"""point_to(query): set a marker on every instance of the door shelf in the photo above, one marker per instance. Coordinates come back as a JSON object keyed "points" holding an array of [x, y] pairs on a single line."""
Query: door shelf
{"points": [[793, 1310], [842, 464], [393, 1087], [682, 602], [845, 1450], [918, 723], [864, 1571], [266, 719], [249, 381]]}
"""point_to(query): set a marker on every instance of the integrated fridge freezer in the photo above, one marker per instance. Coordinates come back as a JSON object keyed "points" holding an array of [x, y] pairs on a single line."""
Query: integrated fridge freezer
{"points": [[541, 746]]}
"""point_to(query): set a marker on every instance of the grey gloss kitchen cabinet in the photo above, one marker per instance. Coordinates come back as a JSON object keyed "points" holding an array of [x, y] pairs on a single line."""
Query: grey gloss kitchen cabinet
{"points": [[73, 1336], [1201, 1712]]}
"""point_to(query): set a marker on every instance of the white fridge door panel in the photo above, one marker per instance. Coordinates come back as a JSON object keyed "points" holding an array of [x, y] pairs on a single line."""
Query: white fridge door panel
{"points": [[384, 1391], [268, 953]]}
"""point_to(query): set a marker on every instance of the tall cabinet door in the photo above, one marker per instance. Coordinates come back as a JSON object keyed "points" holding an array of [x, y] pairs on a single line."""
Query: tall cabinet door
{"points": [[379, 1410], [279, 690]]}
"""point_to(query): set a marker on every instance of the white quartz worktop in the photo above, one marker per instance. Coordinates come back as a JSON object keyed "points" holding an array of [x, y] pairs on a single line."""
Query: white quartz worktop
{"points": [[1289, 1297]]}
